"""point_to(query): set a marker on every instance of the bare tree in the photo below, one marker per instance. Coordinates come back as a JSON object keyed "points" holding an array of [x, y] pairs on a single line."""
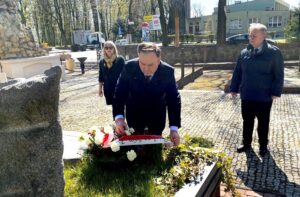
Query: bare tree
{"points": [[102, 11], [59, 20], [179, 7], [55, 20], [197, 11], [95, 14], [163, 23], [44, 21], [22, 9], [153, 6], [221, 28]]}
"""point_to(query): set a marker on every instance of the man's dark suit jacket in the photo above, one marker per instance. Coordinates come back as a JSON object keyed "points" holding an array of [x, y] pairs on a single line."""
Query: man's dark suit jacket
{"points": [[146, 102]]}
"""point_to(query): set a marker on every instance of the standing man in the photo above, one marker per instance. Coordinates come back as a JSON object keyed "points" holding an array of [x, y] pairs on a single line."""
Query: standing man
{"points": [[146, 89], [258, 76]]}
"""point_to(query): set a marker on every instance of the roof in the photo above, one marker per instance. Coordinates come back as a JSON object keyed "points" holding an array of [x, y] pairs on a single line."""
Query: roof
{"points": [[257, 5]]}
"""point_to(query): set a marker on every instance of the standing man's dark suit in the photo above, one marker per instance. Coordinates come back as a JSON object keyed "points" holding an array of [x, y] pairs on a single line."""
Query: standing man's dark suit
{"points": [[147, 90], [146, 101], [259, 77]]}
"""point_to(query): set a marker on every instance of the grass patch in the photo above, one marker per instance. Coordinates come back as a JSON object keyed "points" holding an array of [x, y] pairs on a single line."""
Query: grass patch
{"points": [[92, 177], [158, 172]]}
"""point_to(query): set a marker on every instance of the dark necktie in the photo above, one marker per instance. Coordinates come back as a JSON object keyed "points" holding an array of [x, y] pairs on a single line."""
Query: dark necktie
{"points": [[255, 51], [148, 78]]}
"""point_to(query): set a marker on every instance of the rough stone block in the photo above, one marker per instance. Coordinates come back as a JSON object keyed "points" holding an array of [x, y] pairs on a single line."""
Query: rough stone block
{"points": [[31, 137]]}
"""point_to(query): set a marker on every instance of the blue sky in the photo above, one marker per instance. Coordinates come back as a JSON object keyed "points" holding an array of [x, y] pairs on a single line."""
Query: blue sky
{"points": [[207, 6]]}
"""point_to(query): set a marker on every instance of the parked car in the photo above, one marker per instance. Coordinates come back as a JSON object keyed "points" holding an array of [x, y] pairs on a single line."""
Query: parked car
{"points": [[242, 39], [121, 42]]}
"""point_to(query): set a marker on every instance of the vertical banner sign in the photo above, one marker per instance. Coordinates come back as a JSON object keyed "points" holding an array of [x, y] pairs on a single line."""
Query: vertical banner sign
{"points": [[153, 21]]}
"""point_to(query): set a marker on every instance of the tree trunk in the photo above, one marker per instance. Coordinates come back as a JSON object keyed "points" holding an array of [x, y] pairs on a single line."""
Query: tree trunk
{"points": [[21, 10], [298, 33], [221, 28], [60, 22], [129, 28], [179, 6], [107, 14], [163, 23], [177, 39], [95, 14], [152, 7], [36, 25]]}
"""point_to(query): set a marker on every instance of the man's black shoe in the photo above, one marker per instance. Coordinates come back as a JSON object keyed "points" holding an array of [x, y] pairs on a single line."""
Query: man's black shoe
{"points": [[243, 148], [263, 150]]}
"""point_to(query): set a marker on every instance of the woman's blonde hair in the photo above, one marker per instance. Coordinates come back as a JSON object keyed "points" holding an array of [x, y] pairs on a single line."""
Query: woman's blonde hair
{"points": [[109, 43]]}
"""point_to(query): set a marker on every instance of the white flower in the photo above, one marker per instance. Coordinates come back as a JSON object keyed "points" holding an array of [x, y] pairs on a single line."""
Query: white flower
{"points": [[129, 131], [85, 141], [99, 137], [93, 129], [108, 129], [131, 155], [114, 146]]}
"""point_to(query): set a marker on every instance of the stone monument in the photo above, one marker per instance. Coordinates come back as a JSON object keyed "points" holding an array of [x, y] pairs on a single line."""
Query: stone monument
{"points": [[17, 43], [31, 143]]}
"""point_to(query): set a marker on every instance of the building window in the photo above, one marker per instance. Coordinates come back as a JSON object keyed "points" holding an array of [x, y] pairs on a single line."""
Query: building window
{"points": [[197, 27], [275, 21], [279, 21], [254, 20], [191, 28], [235, 24]]}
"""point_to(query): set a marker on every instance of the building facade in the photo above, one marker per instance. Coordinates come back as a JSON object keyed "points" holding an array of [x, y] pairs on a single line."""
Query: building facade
{"points": [[275, 14]]}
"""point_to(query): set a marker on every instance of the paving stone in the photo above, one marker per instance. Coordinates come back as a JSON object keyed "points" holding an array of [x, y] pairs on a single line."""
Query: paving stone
{"points": [[216, 113]]}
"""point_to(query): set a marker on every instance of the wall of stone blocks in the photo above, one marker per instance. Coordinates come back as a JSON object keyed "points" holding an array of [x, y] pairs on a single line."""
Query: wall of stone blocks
{"points": [[208, 53]]}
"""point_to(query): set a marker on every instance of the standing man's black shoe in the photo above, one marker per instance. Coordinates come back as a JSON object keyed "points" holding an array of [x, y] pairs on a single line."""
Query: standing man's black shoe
{"points": [[243, 148], [263, 150]]}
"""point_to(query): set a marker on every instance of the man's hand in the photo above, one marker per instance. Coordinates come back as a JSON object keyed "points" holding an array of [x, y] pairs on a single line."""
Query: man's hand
{"points": [[175, 138], [121, 126], [100, 89], [100, 93], [233, 94]]}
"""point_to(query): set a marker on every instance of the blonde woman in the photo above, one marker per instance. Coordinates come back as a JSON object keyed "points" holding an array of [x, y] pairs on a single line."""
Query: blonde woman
{"points": [[110, 68]]}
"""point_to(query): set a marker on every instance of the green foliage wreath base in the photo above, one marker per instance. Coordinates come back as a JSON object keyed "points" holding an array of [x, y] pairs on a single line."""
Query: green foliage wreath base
{"points": [[158, 172]]}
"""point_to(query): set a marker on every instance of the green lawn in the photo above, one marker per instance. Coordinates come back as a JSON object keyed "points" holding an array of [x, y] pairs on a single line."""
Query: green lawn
{"points": [[95, 178], [157, 172]]}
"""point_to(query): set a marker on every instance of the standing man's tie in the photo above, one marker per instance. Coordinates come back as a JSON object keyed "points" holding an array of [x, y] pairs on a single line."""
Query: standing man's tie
{"points": [[148, 78]]}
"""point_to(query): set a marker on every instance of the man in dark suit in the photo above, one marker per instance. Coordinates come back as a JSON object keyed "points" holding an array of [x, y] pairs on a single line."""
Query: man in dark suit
{"points": [[146, 89], [258, 76]]}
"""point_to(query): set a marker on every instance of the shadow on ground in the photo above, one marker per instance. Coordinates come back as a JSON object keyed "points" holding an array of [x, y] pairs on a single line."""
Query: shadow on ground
{"points": [[268, 175]]}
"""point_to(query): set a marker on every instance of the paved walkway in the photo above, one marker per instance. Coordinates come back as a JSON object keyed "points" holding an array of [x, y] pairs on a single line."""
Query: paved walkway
{"points": [[216, 116]]}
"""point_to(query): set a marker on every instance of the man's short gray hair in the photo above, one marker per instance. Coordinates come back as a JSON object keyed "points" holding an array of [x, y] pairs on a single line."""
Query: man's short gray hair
{"points": [[258, 26], [145, 47]]}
